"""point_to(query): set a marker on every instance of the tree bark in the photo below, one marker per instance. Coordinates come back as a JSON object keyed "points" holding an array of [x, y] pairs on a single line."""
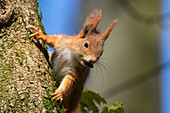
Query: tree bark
{"points": [[25, 72]]}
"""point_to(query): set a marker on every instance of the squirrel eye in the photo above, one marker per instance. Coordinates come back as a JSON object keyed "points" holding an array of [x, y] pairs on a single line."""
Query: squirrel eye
{"points": [[86, 45]]}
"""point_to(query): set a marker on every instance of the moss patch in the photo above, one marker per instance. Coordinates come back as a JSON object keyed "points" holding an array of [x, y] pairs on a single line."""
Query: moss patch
{"points": [[48, 102]]}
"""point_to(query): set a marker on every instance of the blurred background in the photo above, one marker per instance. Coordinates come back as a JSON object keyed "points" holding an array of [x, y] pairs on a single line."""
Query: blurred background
{"points": [[134, 67]]}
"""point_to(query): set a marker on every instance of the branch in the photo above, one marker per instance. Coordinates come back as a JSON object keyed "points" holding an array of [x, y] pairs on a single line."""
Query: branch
{"points": [[138, 16], [115, 90]]}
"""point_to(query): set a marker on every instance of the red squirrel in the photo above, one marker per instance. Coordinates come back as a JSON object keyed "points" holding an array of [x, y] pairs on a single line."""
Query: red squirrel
{"points": [[73, 57]]}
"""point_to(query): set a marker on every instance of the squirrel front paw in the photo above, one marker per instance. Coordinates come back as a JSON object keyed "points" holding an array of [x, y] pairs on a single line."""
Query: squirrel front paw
{"points": [[37, 33], [58, 95]]}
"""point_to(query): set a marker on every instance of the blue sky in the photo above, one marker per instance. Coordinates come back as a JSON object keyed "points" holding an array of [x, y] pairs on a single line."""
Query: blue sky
{"points": [[61, 16], [165, 57]]}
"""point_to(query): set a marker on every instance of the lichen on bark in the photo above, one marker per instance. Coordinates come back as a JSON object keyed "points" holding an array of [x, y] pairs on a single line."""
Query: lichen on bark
{"points": [[25, 72]]}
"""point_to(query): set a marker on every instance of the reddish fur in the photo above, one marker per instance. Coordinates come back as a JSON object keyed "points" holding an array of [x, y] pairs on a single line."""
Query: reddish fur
{"points": [[75, 44]]}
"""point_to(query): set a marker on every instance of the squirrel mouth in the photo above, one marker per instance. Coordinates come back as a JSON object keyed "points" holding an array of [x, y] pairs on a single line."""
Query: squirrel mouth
{"points": [[87, 64]]}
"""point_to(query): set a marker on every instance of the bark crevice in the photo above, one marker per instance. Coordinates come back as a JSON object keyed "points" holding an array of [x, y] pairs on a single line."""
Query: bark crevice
{"points": [[6, 12]]}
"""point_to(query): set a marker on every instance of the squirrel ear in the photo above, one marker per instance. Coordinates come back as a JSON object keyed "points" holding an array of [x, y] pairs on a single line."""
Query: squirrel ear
{"points": [[91, 22], [94, 19], [87, 29], [107, 32]]}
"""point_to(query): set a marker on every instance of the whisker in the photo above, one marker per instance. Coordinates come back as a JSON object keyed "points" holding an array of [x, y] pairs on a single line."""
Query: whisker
{"points": [[101, 61], [96, 71], [105, 69], [109, 60], [100, 68], [111, 69]]}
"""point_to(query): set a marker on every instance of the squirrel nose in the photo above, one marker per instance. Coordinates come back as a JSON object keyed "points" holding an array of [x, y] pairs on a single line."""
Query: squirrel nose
{"points": [[92, 60]]}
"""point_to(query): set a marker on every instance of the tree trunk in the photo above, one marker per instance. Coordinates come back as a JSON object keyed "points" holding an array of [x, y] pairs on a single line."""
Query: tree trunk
{"points": [[24, 69]]}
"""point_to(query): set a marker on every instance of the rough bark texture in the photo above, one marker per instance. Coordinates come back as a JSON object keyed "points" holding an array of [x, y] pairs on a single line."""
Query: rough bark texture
{"points": [[24, 68]]}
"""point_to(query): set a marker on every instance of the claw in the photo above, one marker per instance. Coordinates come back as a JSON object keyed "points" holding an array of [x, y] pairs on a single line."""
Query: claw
{"points": [[35, 34], [34, 28], [57, 96]]}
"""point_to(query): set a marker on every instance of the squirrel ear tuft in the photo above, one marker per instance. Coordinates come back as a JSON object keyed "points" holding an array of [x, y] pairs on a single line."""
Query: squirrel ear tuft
{"points": [[107, 32], [91, 22], [94, 19]]}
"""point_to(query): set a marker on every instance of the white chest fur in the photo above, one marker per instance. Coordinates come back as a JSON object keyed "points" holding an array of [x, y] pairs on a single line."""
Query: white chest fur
{"points": [[62, 62]]}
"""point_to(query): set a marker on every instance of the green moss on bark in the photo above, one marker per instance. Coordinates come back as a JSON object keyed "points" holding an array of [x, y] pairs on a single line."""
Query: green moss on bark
{"points": [[24, 72], [48, 102]]}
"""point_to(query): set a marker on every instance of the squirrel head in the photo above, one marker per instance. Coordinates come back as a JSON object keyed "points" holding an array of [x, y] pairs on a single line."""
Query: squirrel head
{"points": [[91, 41]]}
